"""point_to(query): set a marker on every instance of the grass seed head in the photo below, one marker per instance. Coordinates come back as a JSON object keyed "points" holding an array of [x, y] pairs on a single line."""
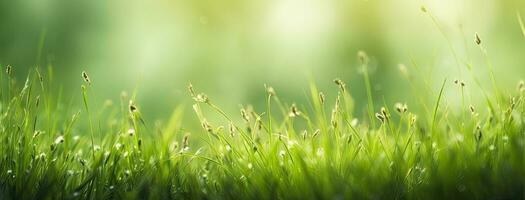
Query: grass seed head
{"points": [[185, 141], [460, 83], [477, 39], [472, 109], [333, 118], [363, 57], [478, 133], [337, 101], [413, 120], [380, 117], [42, 156], [190, 89], [36, 133], [86, 77], [8, 70], [118, 146], [385, 114], [132, 107], [206, 126], [401, 108], [131, 132], [232, 129], [59, 140], [270, 90], [294, 112], [201, 98], [512, 103], [316, 133], [341, 84], [245, 115], [321, 98]]}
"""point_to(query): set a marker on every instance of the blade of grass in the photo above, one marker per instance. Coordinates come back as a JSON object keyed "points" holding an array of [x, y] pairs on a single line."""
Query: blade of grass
{"points": [[434, 114]]}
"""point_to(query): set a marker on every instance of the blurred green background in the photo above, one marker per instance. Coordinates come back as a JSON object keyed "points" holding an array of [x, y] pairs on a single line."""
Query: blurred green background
{"points": [[230, 48]]}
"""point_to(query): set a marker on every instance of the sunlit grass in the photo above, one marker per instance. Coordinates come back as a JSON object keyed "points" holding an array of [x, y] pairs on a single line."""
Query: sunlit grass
{"points": [[287, 152], [52, 148]]}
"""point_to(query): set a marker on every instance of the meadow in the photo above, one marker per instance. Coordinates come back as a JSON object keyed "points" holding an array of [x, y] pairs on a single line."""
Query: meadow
{"points": [[314, 151], [55, 148]]}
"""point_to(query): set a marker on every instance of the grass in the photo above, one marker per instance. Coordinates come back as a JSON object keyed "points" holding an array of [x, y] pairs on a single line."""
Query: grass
{"points": [[52, 149], [292, 152]]}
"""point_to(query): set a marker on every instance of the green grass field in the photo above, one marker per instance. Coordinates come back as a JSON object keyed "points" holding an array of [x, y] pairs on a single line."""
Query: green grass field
{"points": [[287, 151], [53, 146]]}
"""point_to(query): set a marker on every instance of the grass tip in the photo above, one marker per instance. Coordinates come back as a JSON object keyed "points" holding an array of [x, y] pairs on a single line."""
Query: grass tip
{"points": [[131, 132], [340, 83], [191, 90], [245, 115], [477, 39], [86, 77], [401, 108], [269, 90], [294, 112], [9, 70], [59, 140], [321, 98], [131, 106], [201, 98], [362, 56]]}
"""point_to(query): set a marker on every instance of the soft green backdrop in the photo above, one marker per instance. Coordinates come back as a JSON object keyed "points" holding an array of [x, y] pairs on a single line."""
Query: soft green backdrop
{"points": [[230, 48]]}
